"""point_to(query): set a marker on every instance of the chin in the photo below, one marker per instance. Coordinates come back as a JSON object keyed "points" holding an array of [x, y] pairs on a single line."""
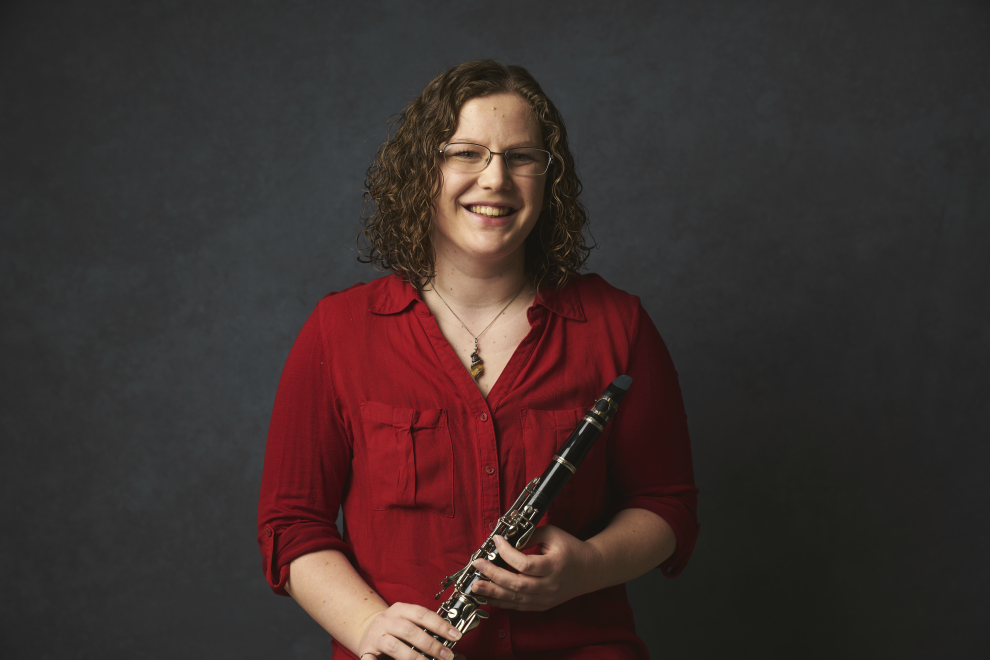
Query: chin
{"points": [[483, 238], [490, 250]]}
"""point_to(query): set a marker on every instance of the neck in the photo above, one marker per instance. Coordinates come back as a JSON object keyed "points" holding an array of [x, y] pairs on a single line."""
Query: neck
{"points": [[474, 285]]}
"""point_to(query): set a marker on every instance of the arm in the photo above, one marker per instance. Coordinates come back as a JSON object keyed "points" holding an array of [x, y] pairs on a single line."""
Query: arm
{"points": [[326, 585], [307, 463], [635, 541], [652, 481]]}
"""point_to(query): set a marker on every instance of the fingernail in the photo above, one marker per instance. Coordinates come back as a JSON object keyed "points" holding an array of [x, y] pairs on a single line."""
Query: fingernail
{"points": [[455, 634], [446, 654]]}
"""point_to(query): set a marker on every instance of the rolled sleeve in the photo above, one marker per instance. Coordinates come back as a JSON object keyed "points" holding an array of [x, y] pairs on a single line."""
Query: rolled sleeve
{"points": [[650, 463], [307, 462]]}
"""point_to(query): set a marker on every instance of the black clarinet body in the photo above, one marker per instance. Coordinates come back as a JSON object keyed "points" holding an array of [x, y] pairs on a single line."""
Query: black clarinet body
{"points": [[463, 608]]}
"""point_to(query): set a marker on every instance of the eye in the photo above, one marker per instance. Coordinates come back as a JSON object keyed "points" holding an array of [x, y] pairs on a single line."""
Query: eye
{"points": [[465, 153], [521, 157]]}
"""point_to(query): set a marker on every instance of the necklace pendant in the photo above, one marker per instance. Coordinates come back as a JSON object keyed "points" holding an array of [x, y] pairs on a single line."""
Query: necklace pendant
{"points": [[477, 366]]}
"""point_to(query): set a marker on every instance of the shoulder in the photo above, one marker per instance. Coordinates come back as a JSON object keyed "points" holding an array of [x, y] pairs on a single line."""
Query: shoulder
{"points": [[598, 297], [612, 312], [385, 295]]}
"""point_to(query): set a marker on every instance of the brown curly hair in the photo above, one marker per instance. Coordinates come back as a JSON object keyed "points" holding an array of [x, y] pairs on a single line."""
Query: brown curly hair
{"points": [[404, 180]]}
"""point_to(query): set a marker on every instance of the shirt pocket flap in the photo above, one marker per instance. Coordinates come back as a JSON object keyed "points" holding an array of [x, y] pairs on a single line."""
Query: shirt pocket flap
{"points": [[390, 415], [551, 419], [409, 457]]}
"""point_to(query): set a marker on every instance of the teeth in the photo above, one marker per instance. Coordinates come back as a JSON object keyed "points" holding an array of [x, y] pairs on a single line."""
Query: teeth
{"points": [[493, 211]]}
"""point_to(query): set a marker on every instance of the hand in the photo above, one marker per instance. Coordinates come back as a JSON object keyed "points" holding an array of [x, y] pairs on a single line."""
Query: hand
{"points": [[391, 631], [565, 567]]}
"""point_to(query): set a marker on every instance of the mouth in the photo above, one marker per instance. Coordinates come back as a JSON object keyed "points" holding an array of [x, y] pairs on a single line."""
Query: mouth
{"points": [[491, 211]]}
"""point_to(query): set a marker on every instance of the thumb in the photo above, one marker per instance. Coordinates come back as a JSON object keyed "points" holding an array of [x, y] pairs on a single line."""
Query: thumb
{"points": [[542, 537]]}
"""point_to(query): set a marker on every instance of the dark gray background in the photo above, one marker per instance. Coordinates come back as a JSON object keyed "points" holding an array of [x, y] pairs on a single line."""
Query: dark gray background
{"points": [[798, 191]]}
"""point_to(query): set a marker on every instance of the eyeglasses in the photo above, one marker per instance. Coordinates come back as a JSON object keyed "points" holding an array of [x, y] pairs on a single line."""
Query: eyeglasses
{"points": [[467, 157]]}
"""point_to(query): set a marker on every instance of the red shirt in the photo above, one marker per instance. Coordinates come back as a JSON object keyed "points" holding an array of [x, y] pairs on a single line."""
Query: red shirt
{"points": [[375, 412]]}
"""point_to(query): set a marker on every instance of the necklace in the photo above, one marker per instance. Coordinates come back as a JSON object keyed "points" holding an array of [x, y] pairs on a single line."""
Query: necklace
{"points": [[477, 366]]}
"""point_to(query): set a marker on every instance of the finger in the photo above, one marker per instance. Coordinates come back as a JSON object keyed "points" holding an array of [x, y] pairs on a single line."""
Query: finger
{"points": [[522, 605], [493, 592], [535, 565], [424, 618], [500, 577], [406, 635], [541, 536], [427, 643], [507, 587], [394, 648]]}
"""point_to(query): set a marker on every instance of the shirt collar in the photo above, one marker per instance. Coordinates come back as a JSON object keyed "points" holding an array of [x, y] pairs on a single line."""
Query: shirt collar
{"points": [[564, 302], [397, 295]]}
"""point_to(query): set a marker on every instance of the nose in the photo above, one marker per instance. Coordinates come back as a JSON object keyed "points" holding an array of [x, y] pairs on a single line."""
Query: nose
{"points": [[496, 175]]}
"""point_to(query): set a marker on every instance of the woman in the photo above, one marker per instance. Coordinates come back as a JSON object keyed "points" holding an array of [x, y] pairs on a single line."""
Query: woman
{"points": [[424, 401]]}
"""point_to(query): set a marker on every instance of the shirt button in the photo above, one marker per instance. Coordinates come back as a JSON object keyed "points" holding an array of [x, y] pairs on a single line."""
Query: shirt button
{"points": [[501, 634], [491, 526], [490, 470], [484, 417], [268, 531]]}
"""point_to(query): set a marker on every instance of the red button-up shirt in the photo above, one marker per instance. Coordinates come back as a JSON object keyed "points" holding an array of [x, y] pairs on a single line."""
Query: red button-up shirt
{"points": [[375, 413]]}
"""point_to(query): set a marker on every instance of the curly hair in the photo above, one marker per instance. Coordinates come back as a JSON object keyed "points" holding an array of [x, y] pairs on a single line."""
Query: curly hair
{"points": [[404, 180]]}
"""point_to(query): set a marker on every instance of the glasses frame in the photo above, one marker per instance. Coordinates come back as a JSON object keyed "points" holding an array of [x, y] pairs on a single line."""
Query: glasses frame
{"points": [[491, 153]]}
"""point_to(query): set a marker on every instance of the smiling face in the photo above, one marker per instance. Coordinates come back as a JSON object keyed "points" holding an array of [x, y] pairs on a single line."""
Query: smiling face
{"points": [[486, 216]]}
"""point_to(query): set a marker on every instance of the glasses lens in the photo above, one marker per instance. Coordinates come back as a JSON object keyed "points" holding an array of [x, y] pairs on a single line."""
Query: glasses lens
{"points": [[527, 161], [466, 157]]}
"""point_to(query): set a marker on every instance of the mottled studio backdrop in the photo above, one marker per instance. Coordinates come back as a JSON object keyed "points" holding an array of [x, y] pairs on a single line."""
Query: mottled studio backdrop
{"points": [[800, 193]]}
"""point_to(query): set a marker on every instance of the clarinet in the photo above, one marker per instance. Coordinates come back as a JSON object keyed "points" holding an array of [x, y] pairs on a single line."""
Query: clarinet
{"points": [[463, 608]]}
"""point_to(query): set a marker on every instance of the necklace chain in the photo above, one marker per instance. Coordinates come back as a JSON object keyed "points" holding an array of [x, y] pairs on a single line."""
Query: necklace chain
{"points": [[477, 366]]}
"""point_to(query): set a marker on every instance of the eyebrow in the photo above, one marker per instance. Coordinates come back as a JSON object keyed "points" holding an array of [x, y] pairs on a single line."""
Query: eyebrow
{"points": [[522, 145]]}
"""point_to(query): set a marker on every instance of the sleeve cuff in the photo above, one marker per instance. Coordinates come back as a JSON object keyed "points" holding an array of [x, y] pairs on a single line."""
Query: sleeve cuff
{"points": [[280, 546], [680, 519]]}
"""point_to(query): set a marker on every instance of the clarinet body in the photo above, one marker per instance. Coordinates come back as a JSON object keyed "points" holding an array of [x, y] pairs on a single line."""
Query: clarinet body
{"points": [[463, 608]]}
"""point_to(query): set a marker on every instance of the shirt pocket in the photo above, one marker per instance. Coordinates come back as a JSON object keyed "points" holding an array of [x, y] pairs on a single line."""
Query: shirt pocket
{"points": [[584, 496], [410, 458]]}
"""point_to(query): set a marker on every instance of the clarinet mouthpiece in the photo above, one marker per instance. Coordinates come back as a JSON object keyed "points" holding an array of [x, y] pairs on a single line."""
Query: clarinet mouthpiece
{"points": [[622, 382]]}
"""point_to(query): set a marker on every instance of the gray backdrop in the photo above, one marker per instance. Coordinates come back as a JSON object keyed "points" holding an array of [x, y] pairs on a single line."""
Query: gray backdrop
{"points": [[798, 192]]}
